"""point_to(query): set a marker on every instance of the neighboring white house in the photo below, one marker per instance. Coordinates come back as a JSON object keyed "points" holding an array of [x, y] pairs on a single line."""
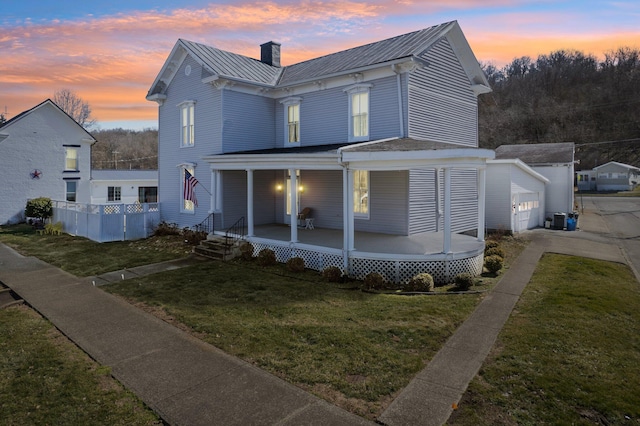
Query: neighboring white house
{"points": [[124, 186], [379, 142], [554, 161], [43, 153], [515, 196], [611, 176]]}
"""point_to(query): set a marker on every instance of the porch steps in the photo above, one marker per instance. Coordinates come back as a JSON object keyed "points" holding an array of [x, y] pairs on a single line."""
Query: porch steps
{"points": [[8, 297], [215, 247]]}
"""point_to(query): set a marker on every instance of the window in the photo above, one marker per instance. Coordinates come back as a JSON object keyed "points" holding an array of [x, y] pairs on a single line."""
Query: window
{"points": [[113, 193], [148, 194], [291, 120], [187, 123], [358, 112], [72, 186], [293, 123], [71, 159], [361, 193], [188, 184]]}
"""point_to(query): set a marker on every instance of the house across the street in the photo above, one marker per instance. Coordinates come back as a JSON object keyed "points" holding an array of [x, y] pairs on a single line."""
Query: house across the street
{"points": [[366, 159], [611, 176], [124, 186]]}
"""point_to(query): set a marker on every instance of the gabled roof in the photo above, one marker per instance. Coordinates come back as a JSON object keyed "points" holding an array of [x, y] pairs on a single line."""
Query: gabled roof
{"points": [[538, 153], [222, 64], [625, 166], [23, 114]]}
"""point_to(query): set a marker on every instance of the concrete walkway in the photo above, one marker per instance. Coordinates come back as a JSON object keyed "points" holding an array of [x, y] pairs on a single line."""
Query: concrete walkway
{"points": [[189, 382]]}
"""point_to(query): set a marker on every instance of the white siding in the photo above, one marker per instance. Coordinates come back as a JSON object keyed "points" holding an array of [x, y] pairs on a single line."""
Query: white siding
{"points": [[323, 194], [388, 203], [498, 197], [464, 200], [559, 190], [248, 122], [442, 106], [422, 201]]}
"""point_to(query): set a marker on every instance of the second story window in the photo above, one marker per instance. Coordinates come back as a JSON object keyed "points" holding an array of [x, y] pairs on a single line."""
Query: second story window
{"points": [[71, 159], [358, 112], [291, 121], [187, 123]]}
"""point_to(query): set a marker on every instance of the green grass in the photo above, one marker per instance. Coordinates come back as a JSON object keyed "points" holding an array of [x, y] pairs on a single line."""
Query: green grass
{"points": [[83, 257], [353, 348], [45, 379], [569, 354]]}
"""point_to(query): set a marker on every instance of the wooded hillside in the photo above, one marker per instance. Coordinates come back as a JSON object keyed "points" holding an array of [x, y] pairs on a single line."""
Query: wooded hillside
{"points": [[567, 96], [125, 149]]}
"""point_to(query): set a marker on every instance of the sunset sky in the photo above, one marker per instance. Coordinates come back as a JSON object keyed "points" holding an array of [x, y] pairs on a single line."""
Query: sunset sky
{"points": [[109, 53]]}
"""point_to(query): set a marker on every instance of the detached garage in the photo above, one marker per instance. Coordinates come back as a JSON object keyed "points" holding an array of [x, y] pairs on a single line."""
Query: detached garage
{"points": [[515, 195]]}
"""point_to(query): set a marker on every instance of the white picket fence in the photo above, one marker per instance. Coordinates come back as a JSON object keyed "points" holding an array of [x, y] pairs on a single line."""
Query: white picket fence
{"points": [[107, 222]]}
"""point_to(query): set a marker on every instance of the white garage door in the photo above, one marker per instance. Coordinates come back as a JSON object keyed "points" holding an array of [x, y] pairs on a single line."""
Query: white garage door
{"points": [[527, 211]]}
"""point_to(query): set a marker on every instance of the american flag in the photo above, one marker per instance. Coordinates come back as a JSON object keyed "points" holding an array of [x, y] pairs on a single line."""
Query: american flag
{"points": [[189, 187]]}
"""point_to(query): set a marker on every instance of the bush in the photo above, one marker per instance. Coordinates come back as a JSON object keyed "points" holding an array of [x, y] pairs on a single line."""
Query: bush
{"points": [[266, 257], [333, 274], [464, 281], [295, 264], [193, 237], [489, 244], [40, 208], [165, 228], [246, 251], [493, 263], [494, 251], [374, 281], [420, 282]]}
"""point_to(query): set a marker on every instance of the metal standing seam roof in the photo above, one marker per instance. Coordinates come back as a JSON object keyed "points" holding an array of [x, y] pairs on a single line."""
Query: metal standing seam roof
{"points": [[538, 153], [233, 65], [239, 67]]}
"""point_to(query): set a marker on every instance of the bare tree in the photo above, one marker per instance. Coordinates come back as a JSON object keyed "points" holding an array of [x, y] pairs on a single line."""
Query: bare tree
{"points": [[75, 106]]}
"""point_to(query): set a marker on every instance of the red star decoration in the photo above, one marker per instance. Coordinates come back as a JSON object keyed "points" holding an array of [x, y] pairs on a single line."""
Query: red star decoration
{"points": [[36, 174]]}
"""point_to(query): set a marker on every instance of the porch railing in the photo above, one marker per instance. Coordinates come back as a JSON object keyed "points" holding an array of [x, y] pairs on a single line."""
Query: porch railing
{"points": [[235, 233], [206, 225]]}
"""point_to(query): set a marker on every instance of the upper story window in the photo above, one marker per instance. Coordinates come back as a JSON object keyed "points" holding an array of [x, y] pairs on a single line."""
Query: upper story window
{"points": [[361, 193], [114, 193], [71, 159], [187, 123], [358, 112], [292, 120]]}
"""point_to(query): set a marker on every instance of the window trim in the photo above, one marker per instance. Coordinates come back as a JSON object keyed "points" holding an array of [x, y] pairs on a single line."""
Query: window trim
{"points": [[114, 194], [187, 124], [67, 159], [359, 214], [358, 89], [291, 102], [67, 192]]}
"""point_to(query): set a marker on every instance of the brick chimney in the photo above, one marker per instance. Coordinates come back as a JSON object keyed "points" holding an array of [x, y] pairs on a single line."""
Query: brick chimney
{"points": [[270, 53]]}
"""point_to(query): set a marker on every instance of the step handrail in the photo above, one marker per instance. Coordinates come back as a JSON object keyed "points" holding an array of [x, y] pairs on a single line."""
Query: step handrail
{"points": [[234, 233]]}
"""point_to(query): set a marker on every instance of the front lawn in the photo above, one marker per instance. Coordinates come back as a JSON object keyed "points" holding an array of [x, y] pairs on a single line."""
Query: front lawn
{"points": [[83, 257], [355, 349], [569, 354]]}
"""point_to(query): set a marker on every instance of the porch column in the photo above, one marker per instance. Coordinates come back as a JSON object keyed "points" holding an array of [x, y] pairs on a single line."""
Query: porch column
{"points": [[438, 209], [482, 173], [350, 217], [294, 205], [446, 245], [212, 199], [250, 203], [218, 188], [345, 220]]}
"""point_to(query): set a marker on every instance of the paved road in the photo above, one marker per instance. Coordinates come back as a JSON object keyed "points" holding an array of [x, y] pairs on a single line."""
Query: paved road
{"points": [[622, 218]]}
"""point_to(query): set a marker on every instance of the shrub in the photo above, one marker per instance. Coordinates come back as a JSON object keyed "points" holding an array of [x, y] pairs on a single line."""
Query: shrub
{"points": [[333, 274], [493, 263], [193, 237], [464, 281], [489, 244], [165, 228], [266, 257], [40, 208], [295, 264], [494, 251], [374, 281], [246, 251], [420, 282]]}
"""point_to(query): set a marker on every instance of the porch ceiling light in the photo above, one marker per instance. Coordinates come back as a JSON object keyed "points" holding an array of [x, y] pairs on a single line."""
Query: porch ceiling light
{"points": [[301, 188], [279, 187]]}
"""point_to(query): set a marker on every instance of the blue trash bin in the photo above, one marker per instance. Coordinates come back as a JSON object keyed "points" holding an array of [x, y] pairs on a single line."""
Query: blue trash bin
{"points": [[571, 224]]}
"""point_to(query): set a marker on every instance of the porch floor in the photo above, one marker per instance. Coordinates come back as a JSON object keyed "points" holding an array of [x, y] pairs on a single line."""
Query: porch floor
{"points": [[418, 244]]}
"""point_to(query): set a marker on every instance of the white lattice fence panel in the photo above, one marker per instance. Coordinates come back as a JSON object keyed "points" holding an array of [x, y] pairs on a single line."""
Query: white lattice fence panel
{"points": [[318, 261], [283, 253]]}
